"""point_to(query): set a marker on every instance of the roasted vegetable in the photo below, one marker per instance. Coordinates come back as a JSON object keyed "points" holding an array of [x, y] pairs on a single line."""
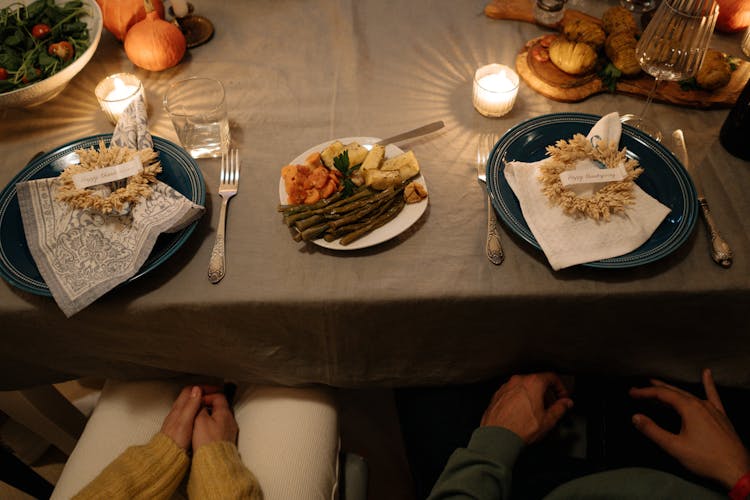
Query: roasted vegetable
{"points": [[348, 219], [575, 58], [715, 71], [585, 31], [620, 49], [392, 172], [617, 19]]}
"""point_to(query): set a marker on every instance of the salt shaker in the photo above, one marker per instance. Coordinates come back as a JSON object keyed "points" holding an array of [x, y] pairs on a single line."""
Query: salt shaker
{"points": [[736, 129], [549, 12]]}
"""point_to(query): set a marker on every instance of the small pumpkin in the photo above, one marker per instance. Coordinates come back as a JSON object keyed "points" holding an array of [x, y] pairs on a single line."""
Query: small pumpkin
{"points": [[120, 15], [153, 43], [734, 15]]}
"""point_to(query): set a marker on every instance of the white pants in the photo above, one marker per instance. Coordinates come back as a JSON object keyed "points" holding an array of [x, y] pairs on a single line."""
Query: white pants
{"points": [[288, 437]]}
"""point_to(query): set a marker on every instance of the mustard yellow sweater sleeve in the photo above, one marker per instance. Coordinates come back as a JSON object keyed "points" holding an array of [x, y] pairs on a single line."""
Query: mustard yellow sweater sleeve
{"points": [[218, 473], [150, 471]]}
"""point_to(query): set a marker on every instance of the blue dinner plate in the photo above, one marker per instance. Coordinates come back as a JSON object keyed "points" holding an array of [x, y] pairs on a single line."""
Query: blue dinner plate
{"points": [[179, 170], [663, 177]]}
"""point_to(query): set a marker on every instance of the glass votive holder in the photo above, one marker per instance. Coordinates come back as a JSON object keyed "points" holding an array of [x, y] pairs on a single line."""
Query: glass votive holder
{"points": [[116, 92], [495, 90], [746, 43]]}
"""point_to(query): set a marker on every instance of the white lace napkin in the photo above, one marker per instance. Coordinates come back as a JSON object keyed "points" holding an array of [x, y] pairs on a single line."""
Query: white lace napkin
{"points": [[81, 254], [568, 240]]}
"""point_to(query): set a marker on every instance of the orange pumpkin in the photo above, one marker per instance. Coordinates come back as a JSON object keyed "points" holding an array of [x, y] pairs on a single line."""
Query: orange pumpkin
{"points": [[153, 43], [734, 15], [120, 15]]}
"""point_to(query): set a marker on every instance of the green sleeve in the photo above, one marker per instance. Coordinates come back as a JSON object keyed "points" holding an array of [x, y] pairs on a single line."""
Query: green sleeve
{"points": [[632, 483], [484, 469]]}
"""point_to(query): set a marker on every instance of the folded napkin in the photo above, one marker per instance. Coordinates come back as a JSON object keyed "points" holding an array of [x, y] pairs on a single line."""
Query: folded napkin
{"points": [[82, 254], [568, 240]]}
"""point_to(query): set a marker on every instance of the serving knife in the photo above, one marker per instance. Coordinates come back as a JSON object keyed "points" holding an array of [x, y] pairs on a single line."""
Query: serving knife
{"points": [[720, 251]]}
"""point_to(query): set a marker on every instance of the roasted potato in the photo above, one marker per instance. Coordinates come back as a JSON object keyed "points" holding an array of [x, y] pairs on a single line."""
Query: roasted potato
{"points": [[714, 72], [620, 49], [574, 58], [585, 31], [617, 19]]}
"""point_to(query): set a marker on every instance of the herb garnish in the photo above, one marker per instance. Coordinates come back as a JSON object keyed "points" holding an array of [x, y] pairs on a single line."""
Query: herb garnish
{"points": [[609, 75], [341, 162], [26, 58]]}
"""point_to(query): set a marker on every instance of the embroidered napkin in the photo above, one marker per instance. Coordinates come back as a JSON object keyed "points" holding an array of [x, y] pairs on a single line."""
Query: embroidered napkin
{"points": [[81, 254], [568, 240]]}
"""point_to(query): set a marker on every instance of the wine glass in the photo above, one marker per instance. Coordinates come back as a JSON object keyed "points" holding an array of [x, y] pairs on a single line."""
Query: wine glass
{"points": [[672, 47]]}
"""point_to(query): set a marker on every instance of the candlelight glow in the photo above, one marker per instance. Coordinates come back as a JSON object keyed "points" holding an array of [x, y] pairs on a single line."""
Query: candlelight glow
{"points": [[495, 90], [116, 92]]}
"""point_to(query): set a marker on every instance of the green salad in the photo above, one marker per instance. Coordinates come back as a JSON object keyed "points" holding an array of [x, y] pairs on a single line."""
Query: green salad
{"points": [[38, 40]]}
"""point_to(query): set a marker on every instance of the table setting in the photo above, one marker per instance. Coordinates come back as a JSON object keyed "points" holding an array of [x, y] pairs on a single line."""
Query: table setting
{"points": [[528, 196]]}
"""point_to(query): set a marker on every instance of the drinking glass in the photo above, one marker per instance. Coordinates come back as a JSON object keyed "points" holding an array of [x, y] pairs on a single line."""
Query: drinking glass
{"points": [[672, 47], [198, 111]]}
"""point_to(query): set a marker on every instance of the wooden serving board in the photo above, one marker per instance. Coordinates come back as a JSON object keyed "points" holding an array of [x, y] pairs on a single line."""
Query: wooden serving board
{"points": [[547, 79], [523, 10]]}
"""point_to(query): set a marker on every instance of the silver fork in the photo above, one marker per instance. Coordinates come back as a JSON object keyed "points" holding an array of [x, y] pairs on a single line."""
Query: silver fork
{"points": [[229, 179], [485, 142]]}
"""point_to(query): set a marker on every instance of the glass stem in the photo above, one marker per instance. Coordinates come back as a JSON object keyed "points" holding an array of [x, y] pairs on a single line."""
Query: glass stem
{"points": [[649, 99]]}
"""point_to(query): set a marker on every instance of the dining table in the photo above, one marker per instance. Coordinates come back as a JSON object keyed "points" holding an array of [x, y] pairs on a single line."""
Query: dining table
{"points": [[423, 308]]}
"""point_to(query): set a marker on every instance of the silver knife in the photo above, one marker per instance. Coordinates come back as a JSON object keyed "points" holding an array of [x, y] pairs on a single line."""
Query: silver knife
{"points": [[426, 129], [720, 251]]}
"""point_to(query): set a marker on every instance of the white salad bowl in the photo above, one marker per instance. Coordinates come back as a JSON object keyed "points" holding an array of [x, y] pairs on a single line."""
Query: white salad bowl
{"points": [[44, 90]]}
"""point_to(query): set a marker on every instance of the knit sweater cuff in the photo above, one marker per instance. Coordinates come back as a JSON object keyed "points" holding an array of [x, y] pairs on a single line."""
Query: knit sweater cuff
{"points": [[218, 472], [153, 470]]}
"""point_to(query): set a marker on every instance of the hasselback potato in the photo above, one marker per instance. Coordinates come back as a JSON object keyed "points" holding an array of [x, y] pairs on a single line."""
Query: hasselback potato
{"points": [[617, 19], [620, 49], [585, 31], [715, 71], [575, 58]]}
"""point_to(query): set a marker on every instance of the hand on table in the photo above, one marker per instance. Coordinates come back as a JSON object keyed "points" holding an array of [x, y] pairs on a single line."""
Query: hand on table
{"points": [[214, 422], [528, 405], [707, 443]]}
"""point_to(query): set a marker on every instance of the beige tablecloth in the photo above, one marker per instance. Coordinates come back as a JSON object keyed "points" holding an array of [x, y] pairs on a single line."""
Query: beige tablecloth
{"points": [[424, 308]]}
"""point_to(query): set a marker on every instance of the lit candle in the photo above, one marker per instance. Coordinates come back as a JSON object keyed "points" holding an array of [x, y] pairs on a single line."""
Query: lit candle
{"points": [[116, 92], [180, 8], [495, 90]]}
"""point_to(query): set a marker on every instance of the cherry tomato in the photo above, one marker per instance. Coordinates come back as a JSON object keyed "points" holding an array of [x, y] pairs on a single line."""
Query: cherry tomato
{"points": [[540, 54], [3, 74], [26, 78], [63, 50], [40, 31], [547, 40]]}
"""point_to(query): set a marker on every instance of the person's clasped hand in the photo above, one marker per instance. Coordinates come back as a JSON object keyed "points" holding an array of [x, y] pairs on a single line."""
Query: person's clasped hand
{"points": [[707, 443], [214, 422], [178, 424], [529, 405]]}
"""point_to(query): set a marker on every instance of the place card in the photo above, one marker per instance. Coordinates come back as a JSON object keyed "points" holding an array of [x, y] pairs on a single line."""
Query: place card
{"points": [[592, 176], [108, 174]]}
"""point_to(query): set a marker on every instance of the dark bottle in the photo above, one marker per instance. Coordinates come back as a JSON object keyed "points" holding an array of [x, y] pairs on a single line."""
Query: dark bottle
{"points": [[735, 133]]}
